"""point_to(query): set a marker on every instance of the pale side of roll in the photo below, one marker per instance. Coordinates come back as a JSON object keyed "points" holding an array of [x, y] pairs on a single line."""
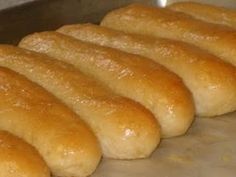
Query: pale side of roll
{"points": [[159, 22], [19, 159], [214, 92], [64, 141], [125, 129], [207, 12], [143, 80]]}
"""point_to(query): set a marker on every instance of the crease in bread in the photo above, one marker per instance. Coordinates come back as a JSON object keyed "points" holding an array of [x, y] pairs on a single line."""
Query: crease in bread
{"points": [[207, 12], [20, 159], [214, 92], [162, 22], [65, 142], [143, 80], [125, 129]]}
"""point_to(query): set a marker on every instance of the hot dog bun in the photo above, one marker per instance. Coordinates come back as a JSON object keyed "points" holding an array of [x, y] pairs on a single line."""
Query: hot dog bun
{"points": [[19, 159], [159, 90], [67, 145], [214, 92], [207, 12], [159, 22], [126, 130]]}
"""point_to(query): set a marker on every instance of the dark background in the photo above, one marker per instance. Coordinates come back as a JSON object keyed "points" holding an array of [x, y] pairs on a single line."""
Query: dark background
{"points": [[44, 15]]}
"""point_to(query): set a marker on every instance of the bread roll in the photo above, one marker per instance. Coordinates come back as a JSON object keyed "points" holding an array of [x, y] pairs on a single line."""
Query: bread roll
{"points": [[126, 130], [214, 92], [140, 79], [207, 12], [64, 141], [19, 159], [152, 21]]}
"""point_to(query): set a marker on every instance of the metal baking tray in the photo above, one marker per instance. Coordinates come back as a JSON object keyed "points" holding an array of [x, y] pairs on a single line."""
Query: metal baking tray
{"points": [[209, 147]]}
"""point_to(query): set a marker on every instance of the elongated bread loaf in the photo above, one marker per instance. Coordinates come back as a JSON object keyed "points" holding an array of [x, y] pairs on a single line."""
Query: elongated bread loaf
{"points": [[207, 12], [140, 79], [19, 159], [65, 142], [152, 21], [214, 92], [126, 130]]}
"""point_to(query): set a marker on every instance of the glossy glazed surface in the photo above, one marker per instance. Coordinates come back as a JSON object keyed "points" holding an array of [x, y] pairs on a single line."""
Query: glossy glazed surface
{"points": [[126, 130], [143, 80], [65, 142]]}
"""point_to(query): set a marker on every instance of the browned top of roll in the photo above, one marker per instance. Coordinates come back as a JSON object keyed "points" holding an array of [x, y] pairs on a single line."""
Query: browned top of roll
{"points": [[19, 159], [207, 12], [162, 22]]}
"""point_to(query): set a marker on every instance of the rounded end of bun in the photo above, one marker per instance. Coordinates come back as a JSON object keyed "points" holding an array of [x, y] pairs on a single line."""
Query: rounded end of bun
{"points": [[128, 130], [80, 153], [18, 158], [176, 114]]}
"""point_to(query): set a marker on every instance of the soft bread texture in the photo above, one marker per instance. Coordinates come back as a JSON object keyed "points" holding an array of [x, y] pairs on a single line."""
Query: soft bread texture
{"points": [[126, 130], [159, 22], [140, 79], [207, 12], [64, 141], [19, 159], [214, 92]]}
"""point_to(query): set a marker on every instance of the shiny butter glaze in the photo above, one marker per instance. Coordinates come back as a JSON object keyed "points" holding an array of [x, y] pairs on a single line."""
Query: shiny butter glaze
{"points": [[214, 92], [207, 12], [66, 144], [158, 22], [126, 130], [140, 79], [19, 159]]}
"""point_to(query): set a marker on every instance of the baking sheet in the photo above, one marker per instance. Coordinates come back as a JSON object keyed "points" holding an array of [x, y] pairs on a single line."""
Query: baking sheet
{"points": [[207, 150]]}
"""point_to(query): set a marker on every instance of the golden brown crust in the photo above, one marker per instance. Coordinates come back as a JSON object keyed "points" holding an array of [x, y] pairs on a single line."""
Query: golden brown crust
{"points": [[207, 12], [19, 159], [67, 145], [125, 129], [214, 92], [152, 21], [140, 79]]}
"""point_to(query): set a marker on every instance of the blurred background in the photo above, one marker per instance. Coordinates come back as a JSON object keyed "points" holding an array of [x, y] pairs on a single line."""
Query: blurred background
{"points": [[21, 17], [11, 3]]}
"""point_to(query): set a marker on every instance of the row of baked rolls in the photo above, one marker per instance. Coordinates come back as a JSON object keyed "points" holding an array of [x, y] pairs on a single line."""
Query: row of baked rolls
{"points": [[211, 80], [152, 85], [125, 129], [92, 86], [64, 141]]}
